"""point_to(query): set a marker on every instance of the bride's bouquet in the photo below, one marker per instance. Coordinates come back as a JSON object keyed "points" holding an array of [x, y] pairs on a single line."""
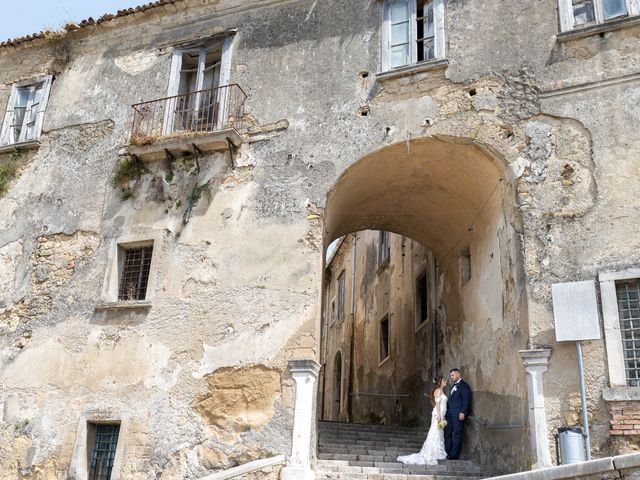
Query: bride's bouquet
{"points": [[442, 424]]}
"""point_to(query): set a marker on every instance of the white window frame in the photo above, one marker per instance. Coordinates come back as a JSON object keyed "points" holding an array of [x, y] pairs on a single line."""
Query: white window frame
{"points": [[439, 33], [6, 132], [176, 66], [80, 465], [565, 11], [611, 320], [117, 252]]}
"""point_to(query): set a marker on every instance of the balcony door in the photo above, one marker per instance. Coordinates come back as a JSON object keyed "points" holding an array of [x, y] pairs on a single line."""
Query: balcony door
{"points": [[195, 102]]}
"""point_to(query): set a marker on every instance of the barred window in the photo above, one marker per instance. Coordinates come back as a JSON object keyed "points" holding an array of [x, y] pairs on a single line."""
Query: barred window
{"points": [[104, 451], [628, 295], [134, 275]]}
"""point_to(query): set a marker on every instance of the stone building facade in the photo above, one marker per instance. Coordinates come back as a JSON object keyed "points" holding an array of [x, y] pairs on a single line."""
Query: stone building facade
{"points": [[162, 266], [380, 337]]}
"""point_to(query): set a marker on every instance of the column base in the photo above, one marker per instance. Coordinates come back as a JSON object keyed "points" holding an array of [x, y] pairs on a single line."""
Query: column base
{"points": [[297, 473]]}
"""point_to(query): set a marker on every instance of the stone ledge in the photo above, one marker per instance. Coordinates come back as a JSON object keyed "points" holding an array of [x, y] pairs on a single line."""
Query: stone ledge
{"points": [[139, 305], [413, 69], [12, 147], [607, 26], [621, 394], [574, 470], [623, 462]]}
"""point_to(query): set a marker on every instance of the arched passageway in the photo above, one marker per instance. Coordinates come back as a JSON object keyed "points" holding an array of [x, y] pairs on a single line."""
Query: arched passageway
{"points": [[450, 202]]}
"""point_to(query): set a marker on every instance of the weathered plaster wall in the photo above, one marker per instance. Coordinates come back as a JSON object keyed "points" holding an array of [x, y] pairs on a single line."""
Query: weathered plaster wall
{"points": [[238, 286]]}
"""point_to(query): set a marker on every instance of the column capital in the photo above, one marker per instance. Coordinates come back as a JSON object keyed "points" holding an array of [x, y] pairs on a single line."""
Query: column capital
{"points": [[309, 367], [536, 357]]}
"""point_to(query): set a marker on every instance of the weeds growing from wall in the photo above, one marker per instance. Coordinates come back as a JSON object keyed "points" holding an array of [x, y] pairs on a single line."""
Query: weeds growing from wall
{"points": [[8, 171], [127, 169]]}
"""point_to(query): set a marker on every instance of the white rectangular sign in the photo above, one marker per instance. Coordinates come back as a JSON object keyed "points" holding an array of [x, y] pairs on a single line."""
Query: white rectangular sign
{"points": [[575, 311]]}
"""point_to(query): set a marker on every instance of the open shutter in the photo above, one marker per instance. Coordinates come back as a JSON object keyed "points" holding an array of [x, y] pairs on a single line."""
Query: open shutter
{"points": [[42, 97], [225, 104], [438, 20], [172, 91], [385, 43], [565, 12], [5, 136]]}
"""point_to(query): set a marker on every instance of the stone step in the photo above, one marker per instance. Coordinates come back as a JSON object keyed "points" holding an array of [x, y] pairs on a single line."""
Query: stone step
{"points": [[331, 426], [378, 445], [365, 450], [370, 452], [390, 476], [373, 466]]}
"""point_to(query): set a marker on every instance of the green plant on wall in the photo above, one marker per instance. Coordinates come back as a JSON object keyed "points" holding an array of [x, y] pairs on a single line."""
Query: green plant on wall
{"points": [[127, 169], [194, 198], [8, 172]]}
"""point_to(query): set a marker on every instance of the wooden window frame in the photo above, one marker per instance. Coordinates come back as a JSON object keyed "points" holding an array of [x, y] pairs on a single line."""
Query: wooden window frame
{"points": [[6, 133], [439, 43], [567, 20]]}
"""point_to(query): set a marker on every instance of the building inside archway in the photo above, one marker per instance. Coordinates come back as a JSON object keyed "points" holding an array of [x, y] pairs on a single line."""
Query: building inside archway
{"points": [[381, 300]]}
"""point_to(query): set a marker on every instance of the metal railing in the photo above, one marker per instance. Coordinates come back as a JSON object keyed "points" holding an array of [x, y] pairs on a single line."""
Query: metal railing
{"points": [[194, 112]]}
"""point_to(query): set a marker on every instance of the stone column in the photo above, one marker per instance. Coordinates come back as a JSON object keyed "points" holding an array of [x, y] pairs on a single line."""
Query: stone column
{"points": [[536, 362], [305, 373]]}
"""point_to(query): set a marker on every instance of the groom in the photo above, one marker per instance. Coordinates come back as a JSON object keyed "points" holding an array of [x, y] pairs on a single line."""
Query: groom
{"points": [[457, 411]]}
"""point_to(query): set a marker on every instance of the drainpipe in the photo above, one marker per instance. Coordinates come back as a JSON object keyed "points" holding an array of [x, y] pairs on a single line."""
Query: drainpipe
{"points": [[353, 322]]}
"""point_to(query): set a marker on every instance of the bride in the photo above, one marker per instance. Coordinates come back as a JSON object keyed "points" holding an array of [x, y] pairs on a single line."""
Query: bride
{"points": [[433, 447]]}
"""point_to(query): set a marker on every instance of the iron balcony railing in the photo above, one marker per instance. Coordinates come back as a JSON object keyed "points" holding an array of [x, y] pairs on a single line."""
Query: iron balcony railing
{"points": [[194, 112]]}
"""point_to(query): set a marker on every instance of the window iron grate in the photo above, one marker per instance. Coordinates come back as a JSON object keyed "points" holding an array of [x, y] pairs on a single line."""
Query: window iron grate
{"points": [[135, 273], [104, 451], [628, 295]]}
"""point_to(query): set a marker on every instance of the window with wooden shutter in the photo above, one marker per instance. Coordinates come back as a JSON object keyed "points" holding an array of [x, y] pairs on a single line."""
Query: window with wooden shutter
{"points": [[412, 32], [24, 114]]}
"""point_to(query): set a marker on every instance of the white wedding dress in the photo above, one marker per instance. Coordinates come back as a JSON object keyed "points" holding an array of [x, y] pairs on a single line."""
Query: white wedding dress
{"points": [[433, 448]]}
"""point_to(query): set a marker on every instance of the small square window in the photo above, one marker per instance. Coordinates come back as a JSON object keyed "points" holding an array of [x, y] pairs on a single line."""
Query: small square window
{"points": [[103, 440], [384, 338], [134, 272]]}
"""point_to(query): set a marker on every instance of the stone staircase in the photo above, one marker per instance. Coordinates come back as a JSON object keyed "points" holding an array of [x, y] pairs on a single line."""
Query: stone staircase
{"points": [[348, 451]]}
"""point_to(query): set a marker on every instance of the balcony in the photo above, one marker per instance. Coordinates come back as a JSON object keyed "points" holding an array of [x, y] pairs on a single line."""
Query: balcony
{"points": [[190, 123]]}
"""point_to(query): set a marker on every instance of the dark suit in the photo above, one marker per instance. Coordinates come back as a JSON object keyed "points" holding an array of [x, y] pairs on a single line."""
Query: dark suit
{"points": [[459, 402]]}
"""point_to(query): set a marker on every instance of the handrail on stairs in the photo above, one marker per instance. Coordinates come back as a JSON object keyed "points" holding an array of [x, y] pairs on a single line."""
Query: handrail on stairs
{"points": [[246, 468]]}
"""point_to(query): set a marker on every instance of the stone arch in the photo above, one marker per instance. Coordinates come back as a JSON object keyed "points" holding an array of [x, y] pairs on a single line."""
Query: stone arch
{"points": [[457, 198]]}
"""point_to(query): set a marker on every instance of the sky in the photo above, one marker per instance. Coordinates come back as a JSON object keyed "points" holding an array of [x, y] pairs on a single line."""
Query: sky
{"points": [[22, 17]]}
